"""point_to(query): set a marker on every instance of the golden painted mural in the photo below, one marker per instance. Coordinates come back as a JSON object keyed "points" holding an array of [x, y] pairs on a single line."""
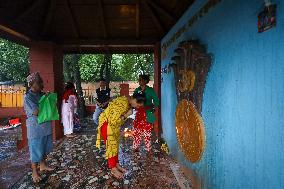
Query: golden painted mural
{"points": [[191, 65], [190, 130]]}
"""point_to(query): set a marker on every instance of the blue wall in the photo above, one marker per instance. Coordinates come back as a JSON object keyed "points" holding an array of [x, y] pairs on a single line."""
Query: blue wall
{"points": [[243, 106]]}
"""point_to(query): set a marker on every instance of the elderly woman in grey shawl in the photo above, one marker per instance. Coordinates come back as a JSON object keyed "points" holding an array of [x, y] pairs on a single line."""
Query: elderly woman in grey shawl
{"points": [[39, 135]]}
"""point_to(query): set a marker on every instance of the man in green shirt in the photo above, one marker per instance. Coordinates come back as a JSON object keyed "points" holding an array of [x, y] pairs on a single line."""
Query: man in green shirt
{"points": [[152, 100]]}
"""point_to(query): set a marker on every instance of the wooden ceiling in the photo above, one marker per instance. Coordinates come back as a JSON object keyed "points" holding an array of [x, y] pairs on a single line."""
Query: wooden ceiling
{"points": [[91, 24]]}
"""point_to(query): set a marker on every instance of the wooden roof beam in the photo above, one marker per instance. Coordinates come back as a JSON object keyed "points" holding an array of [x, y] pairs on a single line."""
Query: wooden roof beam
{"points": [[35, 4], [108, 49], [74, 23], [154, 17], [137, 19], [111, 41], [9, 33], [102, 17], [49, 17], [161, 10]]}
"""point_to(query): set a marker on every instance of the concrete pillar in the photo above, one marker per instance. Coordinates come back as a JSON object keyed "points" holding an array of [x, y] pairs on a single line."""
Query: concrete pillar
{"points": [[157, 86], [47, 58]]}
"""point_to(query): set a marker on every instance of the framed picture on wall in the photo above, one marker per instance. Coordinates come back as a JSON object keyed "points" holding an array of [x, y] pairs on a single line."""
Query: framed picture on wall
{"points": [[267, 18]]}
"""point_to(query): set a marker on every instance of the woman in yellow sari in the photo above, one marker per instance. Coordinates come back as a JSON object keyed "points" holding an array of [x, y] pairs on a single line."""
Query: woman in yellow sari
{"points": [[110, 122]]}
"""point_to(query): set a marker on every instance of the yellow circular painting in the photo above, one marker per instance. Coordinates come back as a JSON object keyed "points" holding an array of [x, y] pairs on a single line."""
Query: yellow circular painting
{"points": [[190, 130]]}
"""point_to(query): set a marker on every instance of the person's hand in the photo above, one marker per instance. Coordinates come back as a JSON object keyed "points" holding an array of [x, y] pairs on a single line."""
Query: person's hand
{"points": [[35, 113], [122, 117]]}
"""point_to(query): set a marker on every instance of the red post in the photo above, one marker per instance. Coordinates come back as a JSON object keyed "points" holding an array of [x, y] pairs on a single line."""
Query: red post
{"points": [[47, 58], [157, 86], [124, 89], [24, 140]]}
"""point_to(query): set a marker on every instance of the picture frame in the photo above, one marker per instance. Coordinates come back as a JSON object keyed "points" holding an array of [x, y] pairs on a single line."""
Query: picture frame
{"points": [[267, 18]]}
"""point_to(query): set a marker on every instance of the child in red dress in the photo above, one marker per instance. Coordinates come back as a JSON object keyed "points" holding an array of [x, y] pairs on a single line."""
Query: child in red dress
{"points": [[141, 128]]}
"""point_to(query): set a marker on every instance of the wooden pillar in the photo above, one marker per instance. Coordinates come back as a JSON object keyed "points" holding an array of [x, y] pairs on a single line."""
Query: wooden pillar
{"points": [[157, 86], [47, 58]]}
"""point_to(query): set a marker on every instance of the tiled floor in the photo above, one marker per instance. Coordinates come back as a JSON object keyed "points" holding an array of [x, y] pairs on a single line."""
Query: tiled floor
{"points": [[79, 164], [8, 142]]}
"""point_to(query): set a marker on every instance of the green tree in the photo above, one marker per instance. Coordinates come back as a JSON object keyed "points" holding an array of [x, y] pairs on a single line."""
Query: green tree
{"points": [[113, 67], [77, 79], [106, 69], [14, 63], [144, 64], [90, 65], [126, 69], [67, 68], [132, 65], [72, 73]]}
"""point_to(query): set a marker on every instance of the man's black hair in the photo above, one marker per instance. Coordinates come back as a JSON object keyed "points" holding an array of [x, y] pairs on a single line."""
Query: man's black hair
{"points": [[145, 77], [140, 97], [69, 85], [103, 79]]}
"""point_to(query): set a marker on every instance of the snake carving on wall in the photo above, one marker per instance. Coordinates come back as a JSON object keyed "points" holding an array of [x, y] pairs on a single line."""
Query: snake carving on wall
{"points": [[191, 65]]}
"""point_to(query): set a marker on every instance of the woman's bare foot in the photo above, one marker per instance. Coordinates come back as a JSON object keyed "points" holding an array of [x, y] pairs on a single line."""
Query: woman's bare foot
{"points": [[121, 168], [44, 167], [116, 173], [35, 176], [47, 168]]}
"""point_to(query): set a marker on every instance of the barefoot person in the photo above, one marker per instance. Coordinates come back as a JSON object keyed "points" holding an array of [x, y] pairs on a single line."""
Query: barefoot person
{"points": [[152, 100], [69, 105], [110, 122], [141, 128], [39, 135]]}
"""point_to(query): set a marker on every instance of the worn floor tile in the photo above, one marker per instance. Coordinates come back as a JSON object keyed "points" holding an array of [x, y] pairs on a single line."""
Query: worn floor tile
{"points": [[79, 164]]}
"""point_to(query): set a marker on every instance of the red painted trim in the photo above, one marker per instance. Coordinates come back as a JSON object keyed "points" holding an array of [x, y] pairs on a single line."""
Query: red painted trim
{"points": [[11, 112], [24, 142], [157, 86]]}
